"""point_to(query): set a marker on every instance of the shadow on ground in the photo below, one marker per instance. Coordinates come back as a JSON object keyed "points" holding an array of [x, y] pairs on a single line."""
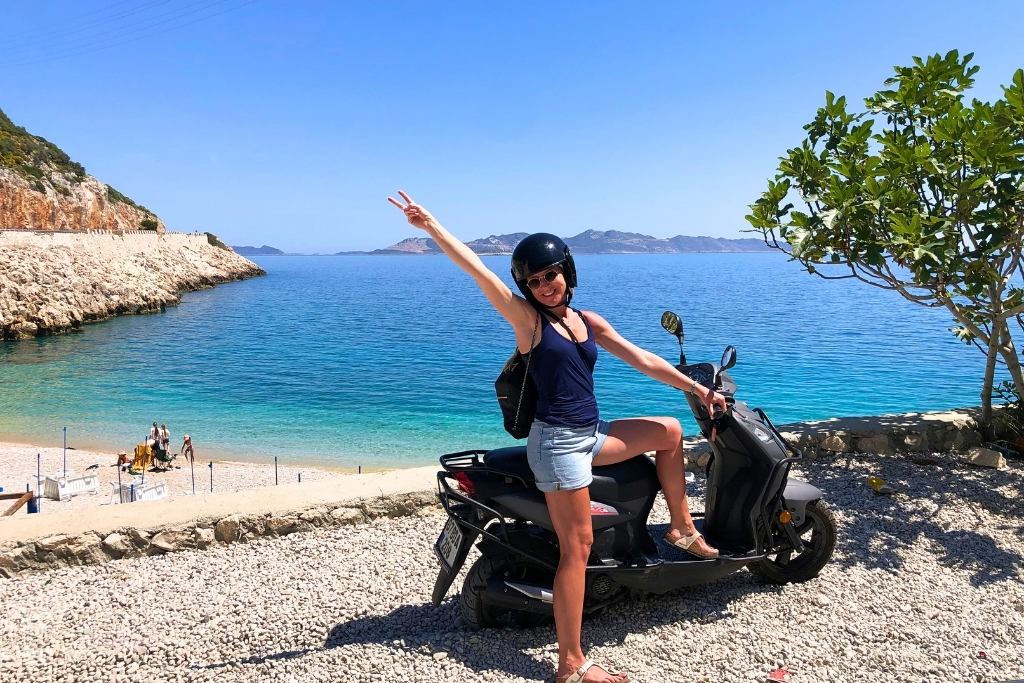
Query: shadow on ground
{"points": [[875, 532], [879, 528], [430, 629]]}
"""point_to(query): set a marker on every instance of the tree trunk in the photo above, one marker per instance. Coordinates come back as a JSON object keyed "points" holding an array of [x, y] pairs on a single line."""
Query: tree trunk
{"points": [[987, 426], [1009, 354]]}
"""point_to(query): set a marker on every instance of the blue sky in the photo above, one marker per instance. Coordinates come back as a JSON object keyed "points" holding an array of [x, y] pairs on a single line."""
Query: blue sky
{"points": [[288, 123]]}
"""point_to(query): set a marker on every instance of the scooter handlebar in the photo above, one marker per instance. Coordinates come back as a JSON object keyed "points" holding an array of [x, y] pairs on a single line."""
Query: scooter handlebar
{"points": [[717, 412]]}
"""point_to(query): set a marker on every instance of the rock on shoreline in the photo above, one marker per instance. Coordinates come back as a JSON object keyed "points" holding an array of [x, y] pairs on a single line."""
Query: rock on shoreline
{"points": [[51, 283]]}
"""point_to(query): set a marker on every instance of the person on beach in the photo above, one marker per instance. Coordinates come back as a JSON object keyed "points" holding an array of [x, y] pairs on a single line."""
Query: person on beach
{"points": [[187, 450], [154, 445], [165, 446], [567, 437]]}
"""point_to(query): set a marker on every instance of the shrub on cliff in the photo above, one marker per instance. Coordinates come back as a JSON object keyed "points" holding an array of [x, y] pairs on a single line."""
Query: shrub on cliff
{"points": [[216, 241], [115, 197], [33, 157]]}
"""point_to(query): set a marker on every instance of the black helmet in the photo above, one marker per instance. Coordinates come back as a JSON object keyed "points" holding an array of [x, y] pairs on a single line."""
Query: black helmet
{"points": [[539, 251]]}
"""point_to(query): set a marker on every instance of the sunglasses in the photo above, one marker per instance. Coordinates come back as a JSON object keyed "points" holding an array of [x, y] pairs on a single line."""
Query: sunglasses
{"points": [[546, 276]]}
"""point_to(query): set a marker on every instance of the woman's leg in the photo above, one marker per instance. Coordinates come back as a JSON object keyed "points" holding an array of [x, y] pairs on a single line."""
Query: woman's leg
{"points": [[570, 516], [663, 435]]}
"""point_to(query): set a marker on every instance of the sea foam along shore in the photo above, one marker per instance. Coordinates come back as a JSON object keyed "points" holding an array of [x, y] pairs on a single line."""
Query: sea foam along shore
{"points": [[54, 282], [18, 468]]}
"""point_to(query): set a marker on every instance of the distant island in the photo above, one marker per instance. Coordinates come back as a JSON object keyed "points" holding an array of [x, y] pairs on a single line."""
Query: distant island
{"points": [[257, 251], [587, 242]]}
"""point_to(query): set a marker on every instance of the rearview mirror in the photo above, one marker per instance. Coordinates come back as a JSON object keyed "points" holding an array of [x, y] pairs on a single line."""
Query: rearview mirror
{"points": [[729, 357], [672, 323]]}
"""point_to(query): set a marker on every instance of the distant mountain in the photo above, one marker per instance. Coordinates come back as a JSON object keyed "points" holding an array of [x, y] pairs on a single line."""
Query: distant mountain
{"points": [[258, 251], [590, 242]]}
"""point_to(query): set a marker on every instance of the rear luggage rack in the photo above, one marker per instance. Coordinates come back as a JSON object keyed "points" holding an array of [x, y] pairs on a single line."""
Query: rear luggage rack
{"points": [[473, 460], [462, 460], [455, 502]]}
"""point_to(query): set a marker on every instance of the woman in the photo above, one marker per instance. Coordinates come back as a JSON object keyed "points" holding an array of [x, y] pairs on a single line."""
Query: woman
{"points": [[165, 438], [567, 437], [188, 450]]}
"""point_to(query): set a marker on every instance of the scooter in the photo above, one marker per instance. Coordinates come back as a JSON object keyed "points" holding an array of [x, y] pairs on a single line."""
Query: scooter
{"points": [[758, 517]]}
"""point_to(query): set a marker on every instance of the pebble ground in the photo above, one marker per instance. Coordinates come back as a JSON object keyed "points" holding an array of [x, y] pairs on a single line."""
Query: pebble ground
{"points": [[925, 585]]}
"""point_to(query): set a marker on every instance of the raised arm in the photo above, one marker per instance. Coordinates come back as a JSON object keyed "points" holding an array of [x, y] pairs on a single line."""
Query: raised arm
{"points": [[513, 308], [650, 364]]}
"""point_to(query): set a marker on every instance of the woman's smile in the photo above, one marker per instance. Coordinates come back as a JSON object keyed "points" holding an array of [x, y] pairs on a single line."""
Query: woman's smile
{"points": [[552, 291]]}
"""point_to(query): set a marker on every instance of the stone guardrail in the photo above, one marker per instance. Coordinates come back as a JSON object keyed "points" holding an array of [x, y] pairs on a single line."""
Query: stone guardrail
{"points": [[93, 548], [61, 236], [107, 242], [888, 434]]}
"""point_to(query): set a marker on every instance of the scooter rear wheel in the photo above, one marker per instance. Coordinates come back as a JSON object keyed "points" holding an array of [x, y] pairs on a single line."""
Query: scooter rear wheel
{"points": [[818, 534], [477, 613]]}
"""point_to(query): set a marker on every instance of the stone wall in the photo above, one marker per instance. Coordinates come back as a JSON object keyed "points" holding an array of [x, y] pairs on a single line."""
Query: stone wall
{"points": [[952, 430], [106, 243], [92, 548]]}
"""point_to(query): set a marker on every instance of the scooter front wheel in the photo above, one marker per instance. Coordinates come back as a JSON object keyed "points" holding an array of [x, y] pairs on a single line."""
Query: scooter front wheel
{"points": [[818, 534], [475, 610]]}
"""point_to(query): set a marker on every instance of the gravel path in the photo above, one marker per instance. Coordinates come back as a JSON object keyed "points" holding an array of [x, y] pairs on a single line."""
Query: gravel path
{"points": [[922, 583]]}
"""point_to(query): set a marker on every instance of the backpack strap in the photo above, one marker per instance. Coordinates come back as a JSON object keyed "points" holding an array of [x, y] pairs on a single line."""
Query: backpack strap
{"points": [[526, 375]]}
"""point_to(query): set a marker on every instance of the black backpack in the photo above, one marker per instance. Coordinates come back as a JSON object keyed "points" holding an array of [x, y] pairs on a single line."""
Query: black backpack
{"points": [[516, 391]]}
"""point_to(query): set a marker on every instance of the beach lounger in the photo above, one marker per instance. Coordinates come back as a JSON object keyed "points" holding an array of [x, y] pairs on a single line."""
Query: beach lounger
{"points": [[135, 490], [65, 485]]}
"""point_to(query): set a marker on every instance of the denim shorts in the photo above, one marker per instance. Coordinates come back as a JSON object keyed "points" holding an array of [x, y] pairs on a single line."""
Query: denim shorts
{"points": [[561, 457]]}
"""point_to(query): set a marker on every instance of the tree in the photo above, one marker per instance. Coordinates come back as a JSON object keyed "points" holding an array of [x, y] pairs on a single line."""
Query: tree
{"points": [[922, 194]]}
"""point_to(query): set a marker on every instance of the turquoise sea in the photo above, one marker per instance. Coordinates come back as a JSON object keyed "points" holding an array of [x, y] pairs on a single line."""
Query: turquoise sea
{"points": [[388, 361]]}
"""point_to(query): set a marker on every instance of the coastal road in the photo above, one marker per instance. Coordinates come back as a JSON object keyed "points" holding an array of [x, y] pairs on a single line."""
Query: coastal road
{"points": [[926, 585]]}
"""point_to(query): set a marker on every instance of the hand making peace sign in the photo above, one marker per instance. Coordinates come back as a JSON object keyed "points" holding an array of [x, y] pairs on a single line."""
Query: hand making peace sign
{"points": [[416, 214]]}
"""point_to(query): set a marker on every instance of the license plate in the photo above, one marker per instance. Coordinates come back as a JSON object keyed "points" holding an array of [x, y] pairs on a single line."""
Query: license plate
{"points": [[448, 544]]}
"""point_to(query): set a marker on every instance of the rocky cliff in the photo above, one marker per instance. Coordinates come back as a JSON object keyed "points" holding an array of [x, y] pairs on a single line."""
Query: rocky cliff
{"points": [[41, 188], [82, 205], [54, 282]]}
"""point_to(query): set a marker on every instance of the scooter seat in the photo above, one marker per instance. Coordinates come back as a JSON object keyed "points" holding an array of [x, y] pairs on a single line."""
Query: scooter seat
{"points": [[629, 480], [511, 461]]}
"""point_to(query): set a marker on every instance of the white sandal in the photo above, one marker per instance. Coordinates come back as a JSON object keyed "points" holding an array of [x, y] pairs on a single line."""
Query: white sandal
{"points": [[577, 676], [685, 543]]}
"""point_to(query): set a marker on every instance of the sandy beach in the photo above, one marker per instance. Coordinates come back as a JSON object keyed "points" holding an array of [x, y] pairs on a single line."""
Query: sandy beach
{"points": [[18, 468]]}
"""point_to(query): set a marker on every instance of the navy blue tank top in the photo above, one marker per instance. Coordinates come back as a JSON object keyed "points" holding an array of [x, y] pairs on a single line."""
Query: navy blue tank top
{"points": [[564, 374]]}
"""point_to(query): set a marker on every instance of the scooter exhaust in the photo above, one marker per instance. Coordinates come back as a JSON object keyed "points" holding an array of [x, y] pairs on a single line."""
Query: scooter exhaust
{"points": [[518, 596], [530, 591]]}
